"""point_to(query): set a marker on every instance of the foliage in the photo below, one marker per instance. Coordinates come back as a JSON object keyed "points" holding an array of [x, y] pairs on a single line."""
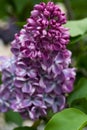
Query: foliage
{"points": [[77, 28], [80, 91], [11, 116], [24, 128], [69, 119]]}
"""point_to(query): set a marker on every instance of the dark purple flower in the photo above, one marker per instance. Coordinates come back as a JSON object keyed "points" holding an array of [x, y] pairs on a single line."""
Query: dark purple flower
{"points": [[37, 112], [43, 33]]}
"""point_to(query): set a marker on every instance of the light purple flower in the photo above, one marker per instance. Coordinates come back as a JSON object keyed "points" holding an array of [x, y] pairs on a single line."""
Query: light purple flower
{"points": [[38, 76], [4, 99]]}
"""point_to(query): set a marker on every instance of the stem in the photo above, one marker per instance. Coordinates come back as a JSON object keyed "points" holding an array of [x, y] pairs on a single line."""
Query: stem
{"points": [[36, 124], [69, 9]]}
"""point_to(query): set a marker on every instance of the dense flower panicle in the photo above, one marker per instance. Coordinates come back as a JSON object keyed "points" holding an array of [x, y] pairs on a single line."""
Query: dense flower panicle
{"points": [[38, 77], [43, 32]]}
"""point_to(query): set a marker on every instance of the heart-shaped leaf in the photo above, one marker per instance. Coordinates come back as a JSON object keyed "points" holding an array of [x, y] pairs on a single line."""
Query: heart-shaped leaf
{"points": [[68, 119]]}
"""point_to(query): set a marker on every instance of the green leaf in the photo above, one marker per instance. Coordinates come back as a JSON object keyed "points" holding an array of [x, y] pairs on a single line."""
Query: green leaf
{"points": [[75, 39], [24, 128], [82, 62], [80, 104], [80, 91], [11, 116], [68, 119], [77, 27]]}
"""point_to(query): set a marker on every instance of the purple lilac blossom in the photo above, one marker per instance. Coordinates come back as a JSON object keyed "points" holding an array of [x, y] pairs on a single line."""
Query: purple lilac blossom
{"points": [[43, 33], [38, 77]]}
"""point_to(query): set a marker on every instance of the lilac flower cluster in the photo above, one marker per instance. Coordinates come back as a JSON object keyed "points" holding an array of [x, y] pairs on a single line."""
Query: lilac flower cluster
{"points": [[43, 33], [38, 76]]}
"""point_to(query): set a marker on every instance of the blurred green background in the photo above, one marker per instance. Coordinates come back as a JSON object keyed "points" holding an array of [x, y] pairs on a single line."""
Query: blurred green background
{"points": [[20, 9]]}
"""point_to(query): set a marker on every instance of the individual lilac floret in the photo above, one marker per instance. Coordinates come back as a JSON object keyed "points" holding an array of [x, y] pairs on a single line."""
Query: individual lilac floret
{"points": [[43, 32], [38, 77], [4, 98]]}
